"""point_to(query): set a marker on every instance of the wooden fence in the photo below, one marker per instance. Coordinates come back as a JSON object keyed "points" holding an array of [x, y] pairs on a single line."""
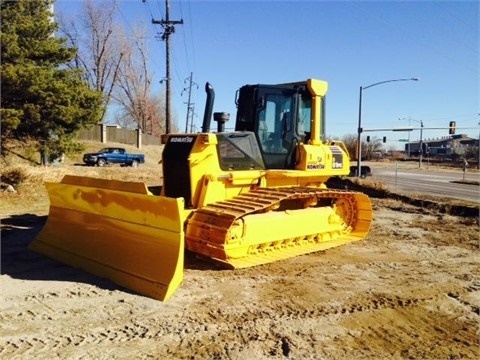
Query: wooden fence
{"points": [[106, 133]]}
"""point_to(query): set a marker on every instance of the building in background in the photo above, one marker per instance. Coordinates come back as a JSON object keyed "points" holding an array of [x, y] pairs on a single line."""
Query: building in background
{"points": [[446, 147]]}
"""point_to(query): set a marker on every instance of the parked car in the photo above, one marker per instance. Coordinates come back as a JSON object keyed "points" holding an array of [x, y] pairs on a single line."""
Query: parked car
{"points": [[364, 171], [113, 155]]}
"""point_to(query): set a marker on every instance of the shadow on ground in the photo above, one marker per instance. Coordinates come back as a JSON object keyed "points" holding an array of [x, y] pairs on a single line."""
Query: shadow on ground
{"points": [[18, 261]]}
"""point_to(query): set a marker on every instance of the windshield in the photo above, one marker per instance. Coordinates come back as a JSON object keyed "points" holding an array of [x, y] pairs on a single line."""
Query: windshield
{"points": [[239, 151]]}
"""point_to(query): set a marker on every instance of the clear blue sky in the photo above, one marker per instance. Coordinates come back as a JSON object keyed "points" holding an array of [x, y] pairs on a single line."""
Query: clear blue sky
{"points": [[347, 43]]}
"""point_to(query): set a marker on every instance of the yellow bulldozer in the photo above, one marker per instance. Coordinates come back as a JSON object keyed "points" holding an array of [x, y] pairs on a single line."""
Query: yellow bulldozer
{"points": [[242, 198]]}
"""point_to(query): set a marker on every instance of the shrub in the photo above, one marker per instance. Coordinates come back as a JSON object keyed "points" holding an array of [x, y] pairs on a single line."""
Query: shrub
{"points": [[14, 176]]}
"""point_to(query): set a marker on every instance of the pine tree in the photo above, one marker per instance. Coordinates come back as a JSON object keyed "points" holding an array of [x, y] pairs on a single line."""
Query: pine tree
{"points": [[41, 99]]}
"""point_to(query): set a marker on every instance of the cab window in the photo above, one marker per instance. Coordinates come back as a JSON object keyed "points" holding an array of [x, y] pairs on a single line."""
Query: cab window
{"points": [[274, 122]]}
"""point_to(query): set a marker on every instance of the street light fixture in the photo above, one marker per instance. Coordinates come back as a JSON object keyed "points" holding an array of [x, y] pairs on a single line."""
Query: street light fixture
{"points": [[360, 130]]}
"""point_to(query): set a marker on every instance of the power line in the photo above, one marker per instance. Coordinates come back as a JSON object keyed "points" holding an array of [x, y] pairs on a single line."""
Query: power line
{"points": [[189, 57], [153, 59], [148, 6]]}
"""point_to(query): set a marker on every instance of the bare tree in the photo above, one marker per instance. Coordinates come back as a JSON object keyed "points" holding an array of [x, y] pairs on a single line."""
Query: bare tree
{"points": [[152, 116], [350, 142], [99, 42], [370, 150], [155, 106], [134, 91]]}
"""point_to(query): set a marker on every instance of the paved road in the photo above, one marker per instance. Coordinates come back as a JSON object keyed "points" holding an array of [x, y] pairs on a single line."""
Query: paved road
{"points": [[432, 181]]}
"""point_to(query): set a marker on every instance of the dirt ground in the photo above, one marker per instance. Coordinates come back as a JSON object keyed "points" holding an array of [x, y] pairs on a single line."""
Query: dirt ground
{"points": [[410, 290]]}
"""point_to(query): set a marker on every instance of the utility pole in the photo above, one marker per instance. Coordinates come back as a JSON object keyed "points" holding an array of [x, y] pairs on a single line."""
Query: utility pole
{"points": [[189, 103], [192, 126], [168, 29]]}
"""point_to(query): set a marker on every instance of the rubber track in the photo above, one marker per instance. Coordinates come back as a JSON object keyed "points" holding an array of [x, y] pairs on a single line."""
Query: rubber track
{"points": [[261, 200]]}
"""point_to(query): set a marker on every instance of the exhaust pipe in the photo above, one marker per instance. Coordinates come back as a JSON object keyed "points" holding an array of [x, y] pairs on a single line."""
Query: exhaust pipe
{"points": [[221, 118], [208, 108]]}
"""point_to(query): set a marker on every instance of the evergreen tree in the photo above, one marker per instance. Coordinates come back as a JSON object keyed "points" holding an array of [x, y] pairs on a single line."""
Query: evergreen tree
{"points": [[41, 99]]}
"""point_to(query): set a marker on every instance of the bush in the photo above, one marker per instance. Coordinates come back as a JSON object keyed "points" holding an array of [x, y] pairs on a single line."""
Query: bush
{"points": [[14, 176]]}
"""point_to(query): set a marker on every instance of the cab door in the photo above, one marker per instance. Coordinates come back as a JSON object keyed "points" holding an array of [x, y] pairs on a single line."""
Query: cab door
{"points": [[275, 125]]}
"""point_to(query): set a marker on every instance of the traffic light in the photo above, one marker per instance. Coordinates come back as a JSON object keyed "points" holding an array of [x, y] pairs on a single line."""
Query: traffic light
{"points": [[368, 138], [384, 139], [451, 127]]}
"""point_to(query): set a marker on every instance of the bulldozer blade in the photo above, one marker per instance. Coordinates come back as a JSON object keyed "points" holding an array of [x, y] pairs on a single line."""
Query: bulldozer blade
{"points": [[116, 230]]}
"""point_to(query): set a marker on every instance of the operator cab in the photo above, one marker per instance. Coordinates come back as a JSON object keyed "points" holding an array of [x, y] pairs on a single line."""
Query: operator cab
{"points": [[280, 117]]}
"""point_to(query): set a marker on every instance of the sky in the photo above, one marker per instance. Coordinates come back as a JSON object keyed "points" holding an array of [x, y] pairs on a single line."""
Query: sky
{"points": [[349, 44]]}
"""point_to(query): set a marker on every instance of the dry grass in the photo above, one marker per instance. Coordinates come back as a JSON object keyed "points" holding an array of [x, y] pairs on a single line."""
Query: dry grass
{"points": [[28, 178], [371, 184]]}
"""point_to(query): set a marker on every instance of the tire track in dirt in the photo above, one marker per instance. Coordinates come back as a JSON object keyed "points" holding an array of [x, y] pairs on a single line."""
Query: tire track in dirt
{"points": [[457, 297], [217, 322], [257, 320], [50, 342], [407, 291]]}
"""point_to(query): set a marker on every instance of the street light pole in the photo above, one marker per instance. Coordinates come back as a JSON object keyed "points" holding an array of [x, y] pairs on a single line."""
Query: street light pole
{"points": [[420, 151], [359, 129], [421, 145], [478, 145], [359, 132], [409, 124], [408, 144]]}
